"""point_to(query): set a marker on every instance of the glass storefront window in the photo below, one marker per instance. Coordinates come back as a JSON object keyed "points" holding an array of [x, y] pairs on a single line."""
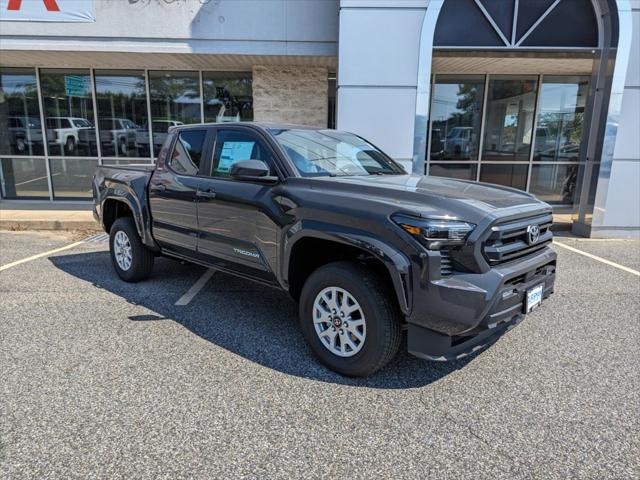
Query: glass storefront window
{"points": [[228, 96], [71, 177], [456, 115], [175, 100], [68, 109], [331, 110], [510, 175], [560, 118], [121, 99], [509, 118], [20, 127], [462, 171], [554, 183], [24, 178]]}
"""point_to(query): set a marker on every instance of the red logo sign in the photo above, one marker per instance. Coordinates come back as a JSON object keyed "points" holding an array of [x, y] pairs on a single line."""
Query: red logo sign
{"points": [[51, 5]]}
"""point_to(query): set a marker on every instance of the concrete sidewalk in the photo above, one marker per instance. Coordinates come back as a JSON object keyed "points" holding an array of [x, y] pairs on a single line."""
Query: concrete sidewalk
{"points": [[46, 216]]}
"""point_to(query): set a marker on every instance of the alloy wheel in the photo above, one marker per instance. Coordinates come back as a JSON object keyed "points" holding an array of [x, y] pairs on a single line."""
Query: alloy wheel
{"points": [[339, 321], [122, 250]]}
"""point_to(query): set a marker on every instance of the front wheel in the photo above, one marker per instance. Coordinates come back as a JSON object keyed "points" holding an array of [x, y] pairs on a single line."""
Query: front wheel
{"points": [[124, 148], [350, 319], [130, 258]]}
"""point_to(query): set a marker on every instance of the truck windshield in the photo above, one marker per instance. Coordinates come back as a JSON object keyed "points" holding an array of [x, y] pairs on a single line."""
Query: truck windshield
{"points": [[318, 153]]}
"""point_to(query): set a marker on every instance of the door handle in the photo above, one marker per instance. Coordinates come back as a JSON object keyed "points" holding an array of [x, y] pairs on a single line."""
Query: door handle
{"points": [[205, 194], [160, 188]]}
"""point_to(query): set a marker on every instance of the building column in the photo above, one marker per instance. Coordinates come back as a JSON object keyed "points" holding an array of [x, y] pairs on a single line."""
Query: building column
{"points": [[616, 208], [379, 45], [291, 94]]}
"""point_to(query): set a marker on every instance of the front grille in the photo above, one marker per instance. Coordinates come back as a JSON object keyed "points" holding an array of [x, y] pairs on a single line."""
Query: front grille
{"points": [[510, 240], [446, 265]]}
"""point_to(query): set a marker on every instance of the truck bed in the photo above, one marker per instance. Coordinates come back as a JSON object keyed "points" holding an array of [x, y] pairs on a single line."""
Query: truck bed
{"points": [[125, 183], [131, 175]]}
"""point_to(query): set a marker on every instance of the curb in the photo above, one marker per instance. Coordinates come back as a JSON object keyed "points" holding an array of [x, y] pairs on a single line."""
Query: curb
{"points": [[18, 225]]}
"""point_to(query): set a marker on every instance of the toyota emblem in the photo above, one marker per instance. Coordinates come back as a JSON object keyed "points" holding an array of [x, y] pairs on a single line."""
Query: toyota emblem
{"points": [[533, 234]]}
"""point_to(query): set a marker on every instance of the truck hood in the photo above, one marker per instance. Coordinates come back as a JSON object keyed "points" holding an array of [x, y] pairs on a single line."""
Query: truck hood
{"points": [[428, 196]]}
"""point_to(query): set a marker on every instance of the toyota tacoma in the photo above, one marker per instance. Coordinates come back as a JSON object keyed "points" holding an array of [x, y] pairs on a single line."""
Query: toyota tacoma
{"points": [[367, 250]]}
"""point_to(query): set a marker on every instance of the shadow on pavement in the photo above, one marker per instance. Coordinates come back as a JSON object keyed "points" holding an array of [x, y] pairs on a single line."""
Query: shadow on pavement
{"points": [[254, 321]]}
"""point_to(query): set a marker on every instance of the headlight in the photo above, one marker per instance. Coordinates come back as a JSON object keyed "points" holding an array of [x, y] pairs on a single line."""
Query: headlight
{"points": [[435, 233]]}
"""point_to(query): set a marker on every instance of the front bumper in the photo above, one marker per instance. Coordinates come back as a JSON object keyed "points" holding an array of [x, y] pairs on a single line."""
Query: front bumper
{"points": [[457, 315]]}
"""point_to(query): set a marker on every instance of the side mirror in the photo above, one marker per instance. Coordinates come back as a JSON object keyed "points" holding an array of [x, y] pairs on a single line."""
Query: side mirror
{"points": [[252, 170]]}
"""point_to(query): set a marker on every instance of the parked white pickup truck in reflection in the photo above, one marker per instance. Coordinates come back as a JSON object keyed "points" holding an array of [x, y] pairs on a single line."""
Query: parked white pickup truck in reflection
{"points": [[160, 129]]}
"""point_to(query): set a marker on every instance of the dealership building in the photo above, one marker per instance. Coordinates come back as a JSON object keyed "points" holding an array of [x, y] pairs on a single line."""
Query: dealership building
{"points": [[540, 95]]}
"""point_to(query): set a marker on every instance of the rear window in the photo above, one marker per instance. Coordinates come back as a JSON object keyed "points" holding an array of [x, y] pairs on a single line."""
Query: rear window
{"points": [[58, 123], [82, 123]]}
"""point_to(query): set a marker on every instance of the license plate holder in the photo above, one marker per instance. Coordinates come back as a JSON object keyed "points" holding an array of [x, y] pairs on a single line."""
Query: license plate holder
{"points": [[534, 298]]}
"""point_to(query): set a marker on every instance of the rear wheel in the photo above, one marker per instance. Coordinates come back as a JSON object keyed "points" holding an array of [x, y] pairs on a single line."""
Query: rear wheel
{"points": [[124, 148], [21, 145], [130, 258], [70, 145], [349, 318]]}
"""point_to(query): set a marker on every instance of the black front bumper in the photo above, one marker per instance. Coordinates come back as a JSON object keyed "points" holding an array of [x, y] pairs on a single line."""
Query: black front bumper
{"points": [[457, 315]]}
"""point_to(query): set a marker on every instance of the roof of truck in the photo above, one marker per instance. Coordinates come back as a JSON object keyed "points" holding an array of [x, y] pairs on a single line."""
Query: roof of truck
{"points": [[263, 125]]}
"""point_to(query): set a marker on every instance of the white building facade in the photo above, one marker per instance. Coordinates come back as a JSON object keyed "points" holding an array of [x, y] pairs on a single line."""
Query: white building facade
{"points": [[539, 95]]}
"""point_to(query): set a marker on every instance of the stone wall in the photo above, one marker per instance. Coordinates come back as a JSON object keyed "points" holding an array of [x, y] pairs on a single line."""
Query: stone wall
{"points": [[290, 94]]}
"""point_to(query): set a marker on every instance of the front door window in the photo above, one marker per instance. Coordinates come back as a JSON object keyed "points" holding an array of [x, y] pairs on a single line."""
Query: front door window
{"points": [[233, 146]]}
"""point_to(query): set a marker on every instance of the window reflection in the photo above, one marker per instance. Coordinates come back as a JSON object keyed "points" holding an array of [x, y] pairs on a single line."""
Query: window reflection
{"points": [[20, 128], [509, 118], [71, 177], [462, 171], [227, 96], [560, 120], [175, 100], [68, 109], [554, 183], [455, 117], [122, 113], [331, 112], [505, 174], [24, 178]]}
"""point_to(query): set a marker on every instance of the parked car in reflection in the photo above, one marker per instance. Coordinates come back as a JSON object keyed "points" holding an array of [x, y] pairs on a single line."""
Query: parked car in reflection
{"points": [[160, 130], [545, 140], [565, 153], [118, 136], [25, 135], [437, 145], [65, 132], [459, 142]]}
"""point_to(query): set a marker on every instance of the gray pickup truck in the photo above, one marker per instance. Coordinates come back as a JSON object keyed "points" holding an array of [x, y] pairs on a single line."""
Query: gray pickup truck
{"points": [[367, 250]]}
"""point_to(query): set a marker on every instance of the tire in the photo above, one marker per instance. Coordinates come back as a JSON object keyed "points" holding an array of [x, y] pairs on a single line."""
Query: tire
{"points": [[70, 145], [21, 145], [122, 146], [140, 265], [382, 319]]}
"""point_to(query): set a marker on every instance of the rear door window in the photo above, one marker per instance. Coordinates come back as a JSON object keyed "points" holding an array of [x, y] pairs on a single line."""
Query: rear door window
{"points": [[187, 153]]}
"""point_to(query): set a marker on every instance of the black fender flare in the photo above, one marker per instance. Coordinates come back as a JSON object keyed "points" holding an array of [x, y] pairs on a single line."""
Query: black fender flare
{"points": [[119, 192], [396, 262]]}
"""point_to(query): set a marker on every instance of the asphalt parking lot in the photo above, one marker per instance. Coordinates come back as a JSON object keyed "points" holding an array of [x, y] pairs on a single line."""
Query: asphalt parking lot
{"points": [[102, 379]]}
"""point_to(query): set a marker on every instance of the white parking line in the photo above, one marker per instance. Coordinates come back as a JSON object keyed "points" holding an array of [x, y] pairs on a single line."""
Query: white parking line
{"points": [[195, 288], [40, 255], [599, 259]]}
